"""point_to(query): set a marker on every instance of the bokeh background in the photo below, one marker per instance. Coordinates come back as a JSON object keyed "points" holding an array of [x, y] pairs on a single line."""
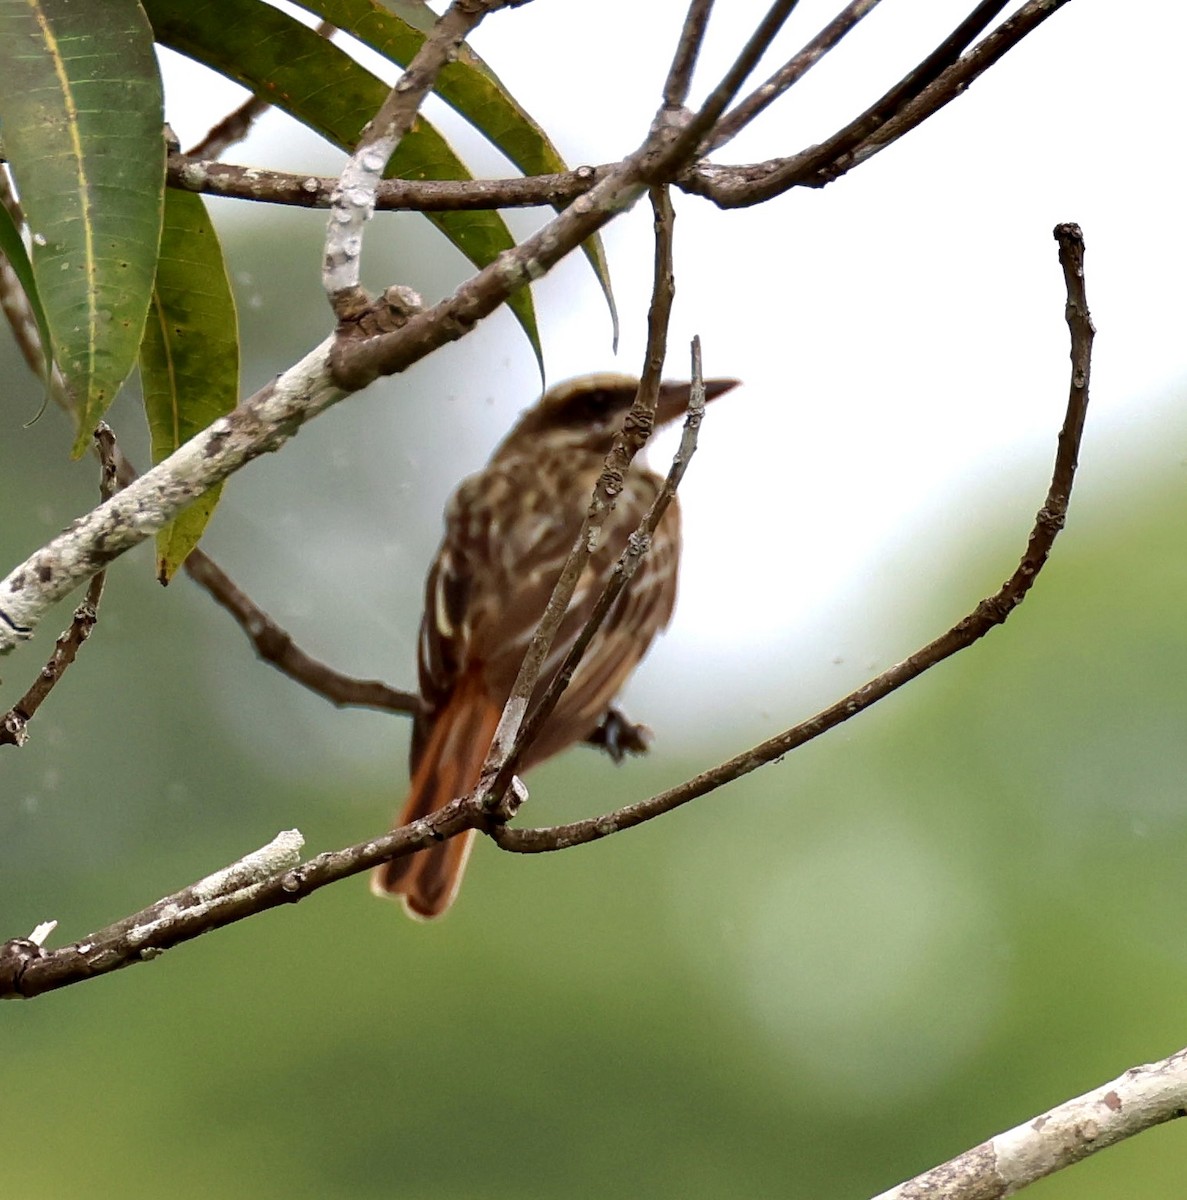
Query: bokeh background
{"points": [[959, 909]]}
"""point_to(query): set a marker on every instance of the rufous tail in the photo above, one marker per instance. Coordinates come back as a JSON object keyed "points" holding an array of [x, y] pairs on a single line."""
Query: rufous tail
{"points": [[450, 766]]}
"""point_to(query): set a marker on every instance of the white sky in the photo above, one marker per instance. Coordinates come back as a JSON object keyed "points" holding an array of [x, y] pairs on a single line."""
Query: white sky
{"points": [[900, 333]]}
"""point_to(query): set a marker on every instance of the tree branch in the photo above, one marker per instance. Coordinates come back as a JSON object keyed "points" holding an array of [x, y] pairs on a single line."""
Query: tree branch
{"points": [[276, 646], [790, 73], [339, 366], [670, 146], [14, 725], [419, 195], [990, 612], [353, 201], [27, 969], [903, 108], [1140, 1099]]}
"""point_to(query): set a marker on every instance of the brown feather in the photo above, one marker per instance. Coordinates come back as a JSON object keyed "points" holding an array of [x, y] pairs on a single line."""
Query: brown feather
{"points": [[450, 766], [509, 530]]}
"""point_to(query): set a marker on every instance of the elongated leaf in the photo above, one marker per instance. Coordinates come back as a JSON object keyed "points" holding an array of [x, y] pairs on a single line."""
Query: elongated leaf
{"points": [[292, 67], [12, 246], [80, 115], [189, 359], [396, 30]]}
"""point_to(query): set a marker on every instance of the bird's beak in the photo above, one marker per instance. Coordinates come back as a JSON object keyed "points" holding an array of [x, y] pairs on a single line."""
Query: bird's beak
{"points": [[674, 398]]}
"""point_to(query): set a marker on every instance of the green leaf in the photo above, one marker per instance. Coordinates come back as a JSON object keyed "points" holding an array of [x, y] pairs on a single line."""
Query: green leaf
{"points": [[80, 115], [189, 360], [396, 30], [292, 67], [12, 246]]}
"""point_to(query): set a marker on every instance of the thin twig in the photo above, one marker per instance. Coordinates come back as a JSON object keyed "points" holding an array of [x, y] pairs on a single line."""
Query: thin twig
{"points": [[14, 725], [233, 128], [512, 735], [276, 646], [236, 125], [792, 71], [722, 95], [990, 612], [758, 182], [628, 563], [688, 48], [907, 88]]}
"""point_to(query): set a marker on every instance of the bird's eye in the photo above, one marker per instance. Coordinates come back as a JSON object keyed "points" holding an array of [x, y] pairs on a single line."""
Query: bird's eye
{"points": [[594, 407]]}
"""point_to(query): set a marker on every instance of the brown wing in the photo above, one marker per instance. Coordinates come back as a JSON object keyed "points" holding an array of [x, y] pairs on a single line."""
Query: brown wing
{"points": [[509, 530]]}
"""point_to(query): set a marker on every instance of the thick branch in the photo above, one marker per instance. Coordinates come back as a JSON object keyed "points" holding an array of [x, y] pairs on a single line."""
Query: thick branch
{"points": [[990, 612], [670, 146], [253, 885], [353, 201], [1140, 1099], [260, 424]]}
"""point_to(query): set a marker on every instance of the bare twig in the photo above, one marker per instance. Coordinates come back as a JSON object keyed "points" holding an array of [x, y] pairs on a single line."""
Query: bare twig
{"points": [[790, 73], [233, 128], [616, 736], [1140, 1099], [692, 37], [889, 119], [236, 125], [990, 612], [919, 77], [511, 736], [276, 646], [14, 725]]}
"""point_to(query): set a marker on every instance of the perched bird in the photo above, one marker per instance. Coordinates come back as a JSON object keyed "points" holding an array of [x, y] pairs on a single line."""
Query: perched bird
{"points": [[508, 532]]}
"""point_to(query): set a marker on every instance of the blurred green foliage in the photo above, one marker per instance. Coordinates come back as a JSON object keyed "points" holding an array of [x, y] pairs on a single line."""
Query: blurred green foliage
{"points": [[958, 910]]}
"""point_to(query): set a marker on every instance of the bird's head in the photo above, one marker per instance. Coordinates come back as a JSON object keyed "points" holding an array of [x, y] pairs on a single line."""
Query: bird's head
{"points": [[589, 410]]}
